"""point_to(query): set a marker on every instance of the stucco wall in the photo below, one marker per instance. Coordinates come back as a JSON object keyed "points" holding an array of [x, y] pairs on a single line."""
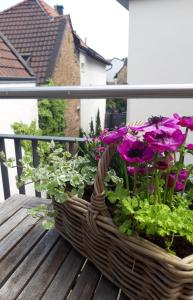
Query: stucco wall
{"points": [[15, 111], [92, 73], [67, 72], [160, 51]]}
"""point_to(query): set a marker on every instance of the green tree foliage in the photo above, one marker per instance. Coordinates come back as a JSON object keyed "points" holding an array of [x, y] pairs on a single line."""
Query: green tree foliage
{"points": [[98, 124], [116, 105], [25, 129], [51, 116]]}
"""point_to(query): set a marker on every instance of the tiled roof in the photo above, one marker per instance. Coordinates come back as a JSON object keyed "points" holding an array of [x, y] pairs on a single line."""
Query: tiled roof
{"points": [[11, 63], [89, 51], [35, 30]]}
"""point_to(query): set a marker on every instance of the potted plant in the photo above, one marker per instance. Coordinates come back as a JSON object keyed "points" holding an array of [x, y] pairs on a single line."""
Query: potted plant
{"points": [[137, 227]]}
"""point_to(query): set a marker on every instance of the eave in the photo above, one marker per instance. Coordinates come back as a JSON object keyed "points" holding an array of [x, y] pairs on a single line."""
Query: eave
{"points": [[125, 3]]}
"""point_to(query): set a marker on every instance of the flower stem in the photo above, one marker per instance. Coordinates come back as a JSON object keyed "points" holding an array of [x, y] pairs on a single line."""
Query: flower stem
{"points": [[147, 179], [135, 181], [166, 185], [126, 176]]}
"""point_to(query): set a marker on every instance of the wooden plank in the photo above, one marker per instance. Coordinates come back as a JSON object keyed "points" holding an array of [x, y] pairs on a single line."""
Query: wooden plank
{"points": [[12, 222], [106, 290], [123, 297], [19, 252], [33, 202], [17, 281], [10, 206], [16, 235], [64, 279], [45, 274], [86, 284]]}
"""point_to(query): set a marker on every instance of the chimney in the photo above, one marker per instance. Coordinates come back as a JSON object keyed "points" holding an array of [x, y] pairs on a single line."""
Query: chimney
{"points": [[59, 9]]}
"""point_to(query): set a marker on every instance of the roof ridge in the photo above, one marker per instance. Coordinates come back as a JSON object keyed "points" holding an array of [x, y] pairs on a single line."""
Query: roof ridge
{"points": [[47, 9], [13, 6], [16, 53]]}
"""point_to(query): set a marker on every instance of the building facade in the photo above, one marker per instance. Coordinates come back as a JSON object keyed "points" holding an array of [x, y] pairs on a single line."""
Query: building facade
{"points": [[160, 52], [45, 39]]}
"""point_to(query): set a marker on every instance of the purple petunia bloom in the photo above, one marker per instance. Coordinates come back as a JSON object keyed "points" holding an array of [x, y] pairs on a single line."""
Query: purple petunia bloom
{"points": [[190, 147], [162, 140], [154, 123], [180, 184], [115, 136], [135, 151], [185, 121]]}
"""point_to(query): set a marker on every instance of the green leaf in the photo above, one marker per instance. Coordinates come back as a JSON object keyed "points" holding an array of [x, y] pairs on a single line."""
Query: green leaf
{"points": [[48, 224]]}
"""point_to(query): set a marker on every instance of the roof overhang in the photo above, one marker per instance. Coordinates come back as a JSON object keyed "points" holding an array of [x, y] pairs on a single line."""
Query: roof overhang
{"points": [[125, 3]]}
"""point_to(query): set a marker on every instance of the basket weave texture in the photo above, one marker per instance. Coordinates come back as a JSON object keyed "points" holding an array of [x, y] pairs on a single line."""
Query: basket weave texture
{"points": [[140, 268]]}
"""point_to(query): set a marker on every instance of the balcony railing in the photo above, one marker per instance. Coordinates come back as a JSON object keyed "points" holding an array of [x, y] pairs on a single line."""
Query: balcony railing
{"points": [[76, 92]]}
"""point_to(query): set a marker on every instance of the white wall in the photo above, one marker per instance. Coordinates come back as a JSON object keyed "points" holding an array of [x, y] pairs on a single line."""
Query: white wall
{"points": [[160, 51], [15, 111], [92, 72]]}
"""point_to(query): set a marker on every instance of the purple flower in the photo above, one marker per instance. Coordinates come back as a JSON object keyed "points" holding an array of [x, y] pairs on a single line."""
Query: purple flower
{"points": [[185, 121], [183, 175], [139, 170], [190, 147], [162, 165], [153, 123], [162, 140], [114, 136], [135, 151], [180, 184]]}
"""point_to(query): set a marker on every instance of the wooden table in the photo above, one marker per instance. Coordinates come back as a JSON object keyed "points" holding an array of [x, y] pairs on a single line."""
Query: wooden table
{"points": [[39, 264]]}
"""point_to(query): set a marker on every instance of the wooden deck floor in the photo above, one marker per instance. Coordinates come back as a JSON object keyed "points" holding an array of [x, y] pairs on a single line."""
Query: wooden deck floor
{"points": [[38, 264]]}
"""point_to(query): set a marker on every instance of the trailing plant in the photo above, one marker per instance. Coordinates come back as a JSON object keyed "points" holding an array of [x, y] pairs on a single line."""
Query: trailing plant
{"points": [[61, 176]]}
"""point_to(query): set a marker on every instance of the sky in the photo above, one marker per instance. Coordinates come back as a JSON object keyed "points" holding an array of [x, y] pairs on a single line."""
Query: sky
{"points": [[103, 23]]}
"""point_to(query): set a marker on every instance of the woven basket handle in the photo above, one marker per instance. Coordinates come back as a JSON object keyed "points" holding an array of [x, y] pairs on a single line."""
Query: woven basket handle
{"points": [[98, 196]]}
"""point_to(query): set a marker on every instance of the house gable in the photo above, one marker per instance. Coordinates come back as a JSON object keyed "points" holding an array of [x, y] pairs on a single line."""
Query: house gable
{"points": [[12, 66], [81, 46], [34, 29]]}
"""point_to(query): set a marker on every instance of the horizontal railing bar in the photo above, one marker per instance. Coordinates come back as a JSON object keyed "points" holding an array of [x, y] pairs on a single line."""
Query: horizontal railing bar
{"points": [[95, 92], [41, 138]]}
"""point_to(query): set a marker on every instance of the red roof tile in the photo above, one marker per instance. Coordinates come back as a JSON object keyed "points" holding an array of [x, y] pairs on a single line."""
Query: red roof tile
{"points": [[36, 29], [11, 63]]}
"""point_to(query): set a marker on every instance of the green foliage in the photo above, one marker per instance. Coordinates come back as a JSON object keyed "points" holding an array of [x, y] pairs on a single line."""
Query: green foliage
{"points": [[135, 215], [61, 175], [92, 132], [116, 105], [51, 116], [25, 129], [98, 129], [95, 130]]}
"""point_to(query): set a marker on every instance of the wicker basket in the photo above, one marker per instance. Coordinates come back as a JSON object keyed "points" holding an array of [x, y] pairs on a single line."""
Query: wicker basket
{"points": [[141, 269]]}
